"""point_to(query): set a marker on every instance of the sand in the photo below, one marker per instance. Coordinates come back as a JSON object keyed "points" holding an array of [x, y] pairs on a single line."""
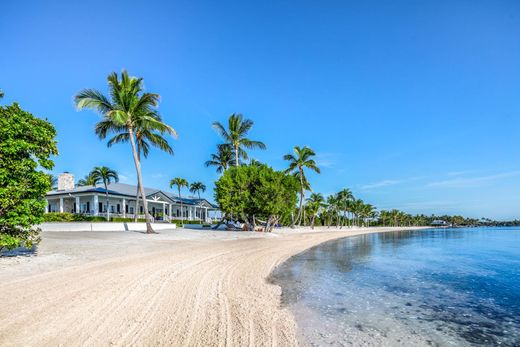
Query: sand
{"points": [[181, 288]]}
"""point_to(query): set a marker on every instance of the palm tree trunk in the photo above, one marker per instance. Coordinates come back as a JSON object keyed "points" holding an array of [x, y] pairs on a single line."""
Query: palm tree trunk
{"points": [[236, 156], [299, 219], [137, 192], [182, 211], [149, 229]]}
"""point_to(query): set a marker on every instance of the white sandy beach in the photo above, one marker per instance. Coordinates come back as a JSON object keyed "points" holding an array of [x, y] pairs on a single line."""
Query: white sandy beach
{"points": [[182, 287]]}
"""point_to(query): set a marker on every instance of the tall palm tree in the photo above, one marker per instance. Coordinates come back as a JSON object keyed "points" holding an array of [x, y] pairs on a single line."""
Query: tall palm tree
{"points": [[146, 134], [298, 162], [106, 176], [223, 159], [345, 198], [315, 202], [127, 106], [235, 135], [197, 187], [179, 182], [89, 180]]}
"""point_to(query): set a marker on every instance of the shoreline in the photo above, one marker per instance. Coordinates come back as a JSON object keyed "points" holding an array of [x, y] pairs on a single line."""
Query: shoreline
{"points": [[179, 287]]}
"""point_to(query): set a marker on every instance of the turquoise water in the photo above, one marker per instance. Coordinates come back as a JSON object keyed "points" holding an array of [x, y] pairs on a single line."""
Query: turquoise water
{"points": [[439, 287]]}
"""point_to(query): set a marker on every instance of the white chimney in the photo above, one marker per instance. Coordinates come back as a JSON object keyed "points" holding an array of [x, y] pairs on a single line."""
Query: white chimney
{"points": [[65, 181]]}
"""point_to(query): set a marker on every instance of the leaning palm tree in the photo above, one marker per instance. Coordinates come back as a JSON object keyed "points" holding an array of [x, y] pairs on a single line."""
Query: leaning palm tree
{"points": [[105, 175], [301, 159], [235, 136], [223, 159], [179, 182], [146, 134], [126, 107], [197, 187], [88, 180]]}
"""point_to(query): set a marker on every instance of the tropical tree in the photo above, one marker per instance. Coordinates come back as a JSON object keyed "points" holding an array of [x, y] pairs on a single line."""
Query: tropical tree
{"points": [[179, 182], [53, 180], [147, 134], [197, 187], [88, 180], [127, 106], [315, 203], [105, 175], [1, 93], [223, 159], [345, 199], [235, 136], [298, 162]]}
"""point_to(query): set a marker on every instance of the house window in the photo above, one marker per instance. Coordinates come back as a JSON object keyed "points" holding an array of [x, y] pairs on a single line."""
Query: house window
{"points": [[131, 210], [141, 209], [100, 207], [126, 208], [88, 206], [112, 210], [178, 213], [49, 208], [118, 208]]}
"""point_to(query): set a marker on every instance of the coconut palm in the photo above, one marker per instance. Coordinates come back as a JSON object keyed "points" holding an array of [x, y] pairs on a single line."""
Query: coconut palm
{"points": [[197, 187], [128, 106], [315, 203], [223, 159], [179, 182], [345, 198], [298, 162], [105, 175], [235, 136], [147, 134], [89, 180]]}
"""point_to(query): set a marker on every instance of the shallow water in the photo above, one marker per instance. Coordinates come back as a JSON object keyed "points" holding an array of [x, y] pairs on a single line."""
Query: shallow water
{"points": [[439, 287]]}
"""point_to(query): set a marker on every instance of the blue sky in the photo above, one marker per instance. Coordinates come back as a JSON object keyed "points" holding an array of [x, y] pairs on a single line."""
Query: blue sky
{"points": [[411, 104]]}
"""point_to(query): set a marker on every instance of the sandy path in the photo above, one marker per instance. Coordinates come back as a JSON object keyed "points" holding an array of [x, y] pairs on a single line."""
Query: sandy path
{"points": [[187, 293]]}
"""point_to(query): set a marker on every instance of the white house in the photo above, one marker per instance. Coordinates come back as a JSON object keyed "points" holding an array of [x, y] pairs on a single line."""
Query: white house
{"points": [[91, 200]]}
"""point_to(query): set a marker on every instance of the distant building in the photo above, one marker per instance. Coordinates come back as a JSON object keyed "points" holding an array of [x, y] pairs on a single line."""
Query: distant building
{"points": [[91, 200], [439, 223]]}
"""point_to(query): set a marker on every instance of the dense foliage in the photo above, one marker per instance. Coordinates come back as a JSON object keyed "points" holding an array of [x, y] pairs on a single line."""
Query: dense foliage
{"points": [[26, 146], [257, 194]]}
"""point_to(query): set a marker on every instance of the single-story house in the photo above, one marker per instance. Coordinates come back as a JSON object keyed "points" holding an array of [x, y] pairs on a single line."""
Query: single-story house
{"points": [[91, 200]]}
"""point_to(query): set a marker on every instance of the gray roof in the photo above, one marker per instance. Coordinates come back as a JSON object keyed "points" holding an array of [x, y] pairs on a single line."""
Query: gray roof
{"points": [[130, 190]]}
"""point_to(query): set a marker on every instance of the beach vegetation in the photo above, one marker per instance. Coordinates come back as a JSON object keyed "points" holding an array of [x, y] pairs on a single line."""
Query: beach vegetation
{"points": [[105, 175], [197, 187], [127, 106], [179, 182], [235, 135], [257, 195], [223, 159], [27, 144]]}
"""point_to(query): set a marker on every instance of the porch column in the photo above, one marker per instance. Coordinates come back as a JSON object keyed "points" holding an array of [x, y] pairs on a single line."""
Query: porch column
{"points": [[170, 211], [205, 214], [190, 213], [124, 208], [61, 205], [164, 210], [78, 206], [95, 202]]}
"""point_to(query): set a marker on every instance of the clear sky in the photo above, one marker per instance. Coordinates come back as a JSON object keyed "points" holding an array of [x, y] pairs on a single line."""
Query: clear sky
{"points": [[412, 104]]}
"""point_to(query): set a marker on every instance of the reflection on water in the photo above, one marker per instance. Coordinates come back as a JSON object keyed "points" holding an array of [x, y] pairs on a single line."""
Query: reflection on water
{"points": [[450, 287]]}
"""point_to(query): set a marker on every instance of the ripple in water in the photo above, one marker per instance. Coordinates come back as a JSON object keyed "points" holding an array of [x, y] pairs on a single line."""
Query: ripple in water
{"points": [[450, 287]]}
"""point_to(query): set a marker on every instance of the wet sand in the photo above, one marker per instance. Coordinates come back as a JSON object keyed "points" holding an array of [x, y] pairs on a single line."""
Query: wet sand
{"points": [[179, 287]]}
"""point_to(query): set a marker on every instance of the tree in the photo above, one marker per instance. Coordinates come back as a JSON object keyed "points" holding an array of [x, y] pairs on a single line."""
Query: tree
{"points": [[104, 175], [197, 187], [53, 180], [88, 180], [179, 182], [26, 146], [235, 136], [146, 134], [256, 193], [345, 199], [298, 162], [1, 93], [128, 106], [223, 159], [315, 203]]}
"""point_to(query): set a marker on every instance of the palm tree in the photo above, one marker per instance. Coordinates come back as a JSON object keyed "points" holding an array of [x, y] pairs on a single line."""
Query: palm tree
{"points": [[146, 134], [297, 163], [223, 159], [179, 182], [197, 187], [89, 180], [53, 180], [345, 198], [235, 136], [128, 106], [315, 202], [1, 93], [105, 175]]}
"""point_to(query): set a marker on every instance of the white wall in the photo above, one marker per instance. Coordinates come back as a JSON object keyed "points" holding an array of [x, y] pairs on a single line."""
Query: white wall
{"points": [[101, 226]]}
